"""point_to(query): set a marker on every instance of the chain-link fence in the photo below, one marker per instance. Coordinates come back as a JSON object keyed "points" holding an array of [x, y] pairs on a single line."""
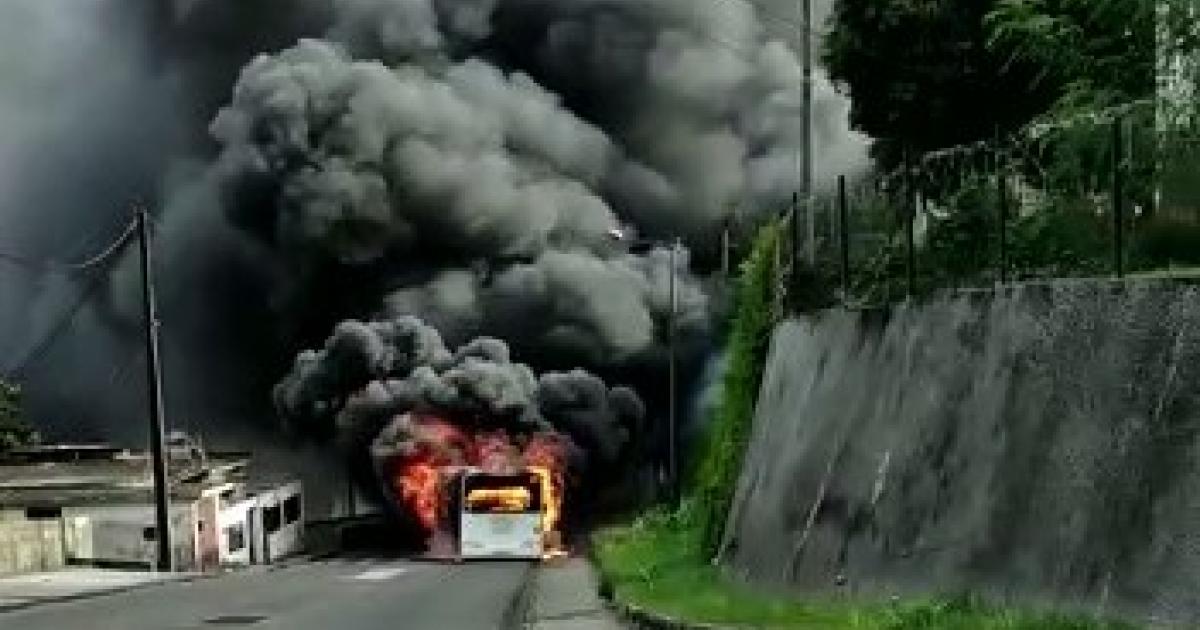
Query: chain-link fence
{"points": [[1108, 193]]}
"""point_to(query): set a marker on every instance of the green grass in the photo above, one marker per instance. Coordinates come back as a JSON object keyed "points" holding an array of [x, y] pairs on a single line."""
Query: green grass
{"points": [[655, 564]]}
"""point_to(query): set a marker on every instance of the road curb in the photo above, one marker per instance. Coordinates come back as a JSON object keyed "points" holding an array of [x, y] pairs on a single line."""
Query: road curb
{"points": [[643, 619], [518, 607], [647, 620], [638, 617]]}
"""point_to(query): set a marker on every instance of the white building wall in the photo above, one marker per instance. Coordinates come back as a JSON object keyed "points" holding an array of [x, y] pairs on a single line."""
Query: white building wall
{"points": [[77, 531], [29, 544], [278, 522], [126, 534], [235, 530]]}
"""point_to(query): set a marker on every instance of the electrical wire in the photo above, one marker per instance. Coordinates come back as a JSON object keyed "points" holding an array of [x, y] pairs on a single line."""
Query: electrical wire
{"points": [[73, 268], [59, 329], [65, 323]]}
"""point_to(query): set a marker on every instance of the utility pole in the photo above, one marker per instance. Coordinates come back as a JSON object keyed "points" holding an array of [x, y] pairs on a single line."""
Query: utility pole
{"points": [[806, 173], [672, 433], [162, 511]]}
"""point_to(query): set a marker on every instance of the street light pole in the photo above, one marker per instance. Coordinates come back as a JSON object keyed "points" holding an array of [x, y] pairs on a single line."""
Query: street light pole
{"points": [[806, 174], [674, 254]]}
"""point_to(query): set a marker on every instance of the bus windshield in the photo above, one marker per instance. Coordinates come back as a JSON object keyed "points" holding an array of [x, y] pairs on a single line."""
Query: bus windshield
{"points": [[511, 494]]}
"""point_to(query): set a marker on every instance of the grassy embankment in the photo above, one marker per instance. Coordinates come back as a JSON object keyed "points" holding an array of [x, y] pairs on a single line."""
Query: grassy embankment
{"points": [[657, 564], [661, 561]]}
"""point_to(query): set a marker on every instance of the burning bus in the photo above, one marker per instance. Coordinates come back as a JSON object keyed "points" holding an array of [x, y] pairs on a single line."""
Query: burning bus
{"points": [[425, 415], [489, 494], [499, 515]]}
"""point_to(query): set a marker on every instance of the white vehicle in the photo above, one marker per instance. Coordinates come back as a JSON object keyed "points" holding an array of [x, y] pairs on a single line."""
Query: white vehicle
{"points": [[499, 516]]}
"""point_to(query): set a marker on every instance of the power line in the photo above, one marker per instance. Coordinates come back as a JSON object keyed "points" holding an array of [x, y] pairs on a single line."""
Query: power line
{"points": [[96, 260], [107, 253], [56, 332], [65, 323]]}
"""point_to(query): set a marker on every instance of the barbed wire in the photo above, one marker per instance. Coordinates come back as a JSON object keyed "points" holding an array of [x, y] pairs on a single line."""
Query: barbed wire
{"points": [[1016, 144]]}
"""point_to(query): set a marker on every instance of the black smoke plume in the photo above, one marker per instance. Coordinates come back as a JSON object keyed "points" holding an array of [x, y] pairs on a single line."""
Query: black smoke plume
{"points": [[463, 161], [368, 373], [368, 384]]}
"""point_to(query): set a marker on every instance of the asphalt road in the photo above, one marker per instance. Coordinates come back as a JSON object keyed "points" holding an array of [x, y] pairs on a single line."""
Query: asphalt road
{"points": [[338, 594]]}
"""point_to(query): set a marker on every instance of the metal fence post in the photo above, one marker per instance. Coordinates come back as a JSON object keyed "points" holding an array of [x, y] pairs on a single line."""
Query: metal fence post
{"points": [[1002, 192], [844, 231], [1118, 202], [910, 211], [793, 279]]}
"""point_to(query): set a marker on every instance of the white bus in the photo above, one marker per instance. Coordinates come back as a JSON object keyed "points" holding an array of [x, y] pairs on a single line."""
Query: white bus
{"points": [[500, 516]]}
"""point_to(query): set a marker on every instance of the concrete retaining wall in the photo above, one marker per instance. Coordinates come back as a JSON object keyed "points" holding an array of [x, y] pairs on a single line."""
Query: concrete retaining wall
{"points": [[1041, 444]]}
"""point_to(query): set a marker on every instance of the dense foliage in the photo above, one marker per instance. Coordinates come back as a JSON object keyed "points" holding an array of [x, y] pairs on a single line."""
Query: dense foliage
{"points": [[960, 247], [719, 462], [926, 75], [1091, 52], [921, 75]]}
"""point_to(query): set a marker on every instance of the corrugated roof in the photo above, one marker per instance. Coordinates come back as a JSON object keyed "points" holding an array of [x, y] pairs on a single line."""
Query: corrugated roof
{"points": [[117, 480]]}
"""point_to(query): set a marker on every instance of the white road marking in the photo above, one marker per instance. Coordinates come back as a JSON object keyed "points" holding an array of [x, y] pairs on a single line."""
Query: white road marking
{"points": [[380, 574]]}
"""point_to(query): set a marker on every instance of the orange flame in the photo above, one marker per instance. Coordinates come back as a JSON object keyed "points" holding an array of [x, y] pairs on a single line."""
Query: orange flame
{"points": [[515, 499], [494, 451], [546, 456], [416, 477], [416, 484], [437, 446]]}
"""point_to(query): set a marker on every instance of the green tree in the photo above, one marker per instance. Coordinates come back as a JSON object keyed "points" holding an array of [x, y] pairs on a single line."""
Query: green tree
{"points": [[14, 431], [921, 74], [1091, 53], [927, 74]]}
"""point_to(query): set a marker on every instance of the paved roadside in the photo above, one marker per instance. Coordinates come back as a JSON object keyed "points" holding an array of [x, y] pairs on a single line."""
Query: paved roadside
{"points": [[565, 596], [358, 593], [31, 589]]}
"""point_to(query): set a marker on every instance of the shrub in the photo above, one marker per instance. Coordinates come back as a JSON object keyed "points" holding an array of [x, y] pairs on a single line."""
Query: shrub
{"points": [[720, 459], [14, 432]]}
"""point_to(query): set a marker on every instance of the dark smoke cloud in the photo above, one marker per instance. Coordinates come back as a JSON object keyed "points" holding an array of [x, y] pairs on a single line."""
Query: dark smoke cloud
{"points": [[85, 126], [705, 92], [447, 169], [370, 374], [105, 102], [477, 155], [457, 160]]}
